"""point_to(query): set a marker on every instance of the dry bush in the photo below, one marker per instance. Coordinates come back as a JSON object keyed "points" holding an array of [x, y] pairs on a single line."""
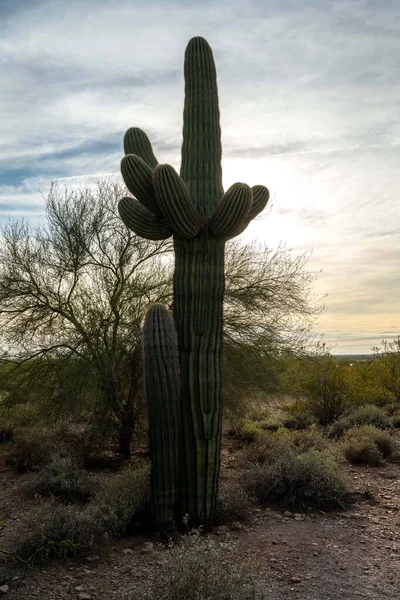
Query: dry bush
{"points": [[299, 481], [199, 569], [62, 477], [362, 415], [367, 445], [122, 496], [57, 531], [266, 449], [28, 451]]}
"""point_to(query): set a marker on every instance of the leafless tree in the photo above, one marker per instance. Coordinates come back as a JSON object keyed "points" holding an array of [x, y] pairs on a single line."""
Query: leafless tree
{"points": [[73, 293]]}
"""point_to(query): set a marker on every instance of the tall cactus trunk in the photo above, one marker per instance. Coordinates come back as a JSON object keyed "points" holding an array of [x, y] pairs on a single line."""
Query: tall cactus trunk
{"points": [[198, 296], [194, 209]]}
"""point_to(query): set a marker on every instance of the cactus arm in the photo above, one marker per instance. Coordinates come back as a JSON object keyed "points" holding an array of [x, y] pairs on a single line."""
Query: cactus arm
{"points": [[174, 200], [137, 176], [137, 142], [163, 388], [142, 221], [201, 148], [233, 211], [260, 199]]}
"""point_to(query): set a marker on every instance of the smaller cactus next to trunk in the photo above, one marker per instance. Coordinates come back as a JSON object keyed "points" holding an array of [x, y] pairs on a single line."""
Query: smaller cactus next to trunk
{"points": [[163, 386]]}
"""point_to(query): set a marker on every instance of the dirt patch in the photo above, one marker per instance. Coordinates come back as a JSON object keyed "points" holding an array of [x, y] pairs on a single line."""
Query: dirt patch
{"points": [[346, 555]]}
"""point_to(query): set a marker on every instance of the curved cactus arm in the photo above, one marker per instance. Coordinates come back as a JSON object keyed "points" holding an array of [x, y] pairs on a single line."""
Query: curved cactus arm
{"points": [[260, 199], [201, 148], [142, 221], [174, 201], [137, 176], [233, 211], [137, 142]]}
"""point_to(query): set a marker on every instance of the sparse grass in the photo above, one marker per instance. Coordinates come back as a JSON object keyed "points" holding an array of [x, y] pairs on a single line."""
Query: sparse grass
{"points": [[367, 445], [309, 480], [199, 569]]}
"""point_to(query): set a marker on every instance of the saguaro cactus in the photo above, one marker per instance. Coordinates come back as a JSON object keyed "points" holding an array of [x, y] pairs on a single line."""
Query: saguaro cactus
{"points": [[163, 385], [194, 209]]}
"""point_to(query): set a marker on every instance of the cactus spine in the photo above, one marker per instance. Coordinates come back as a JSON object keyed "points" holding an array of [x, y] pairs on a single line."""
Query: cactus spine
{"points": [[163, 386], [194, 209]]}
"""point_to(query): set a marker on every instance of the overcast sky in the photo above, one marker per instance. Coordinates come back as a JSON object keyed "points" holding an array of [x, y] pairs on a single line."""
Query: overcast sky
{"points": [[309, 98]]}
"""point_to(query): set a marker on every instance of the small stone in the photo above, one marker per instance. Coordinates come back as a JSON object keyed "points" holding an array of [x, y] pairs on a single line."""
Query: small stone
{"points": [[84, 596], [287, 513], [146, 550], [128, 551], [296, 579], [4, 589], [93, 558], [236, 526], [79, 588]]}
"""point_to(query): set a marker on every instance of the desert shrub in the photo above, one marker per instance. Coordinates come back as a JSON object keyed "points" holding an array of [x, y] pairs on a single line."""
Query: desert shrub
{"points": [[249, 432], [361, 415], [233, 503], [308, 439], [57, 531], [395, 420], [62, 477], [270, 424], [297, 420], [199, 569], [308, 480], [267, 449], [122, 496], [367, 445], [28, 451]]}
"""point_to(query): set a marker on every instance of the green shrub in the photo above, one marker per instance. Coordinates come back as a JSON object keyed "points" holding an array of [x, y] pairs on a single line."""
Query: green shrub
{"points": [[57, 531], [233, 503], [396, 421], [199, 569], [308, 480], [362, 415], [122, 496], [28, 451], [62, 477], [270, 424], [367, 445], [249, 432]]}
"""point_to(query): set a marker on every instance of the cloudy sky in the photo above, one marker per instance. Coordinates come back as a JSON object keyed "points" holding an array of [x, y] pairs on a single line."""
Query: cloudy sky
{"points": [[309, 98]]}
